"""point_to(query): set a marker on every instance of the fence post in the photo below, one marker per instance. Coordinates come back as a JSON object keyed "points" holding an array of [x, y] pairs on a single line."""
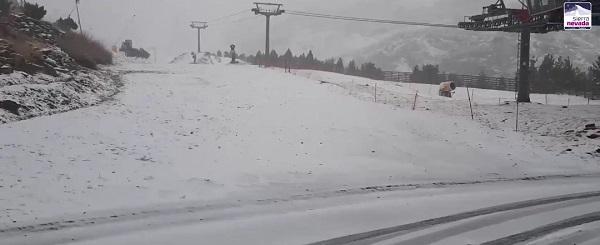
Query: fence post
{"points": [[415, 102], [517, 119], [375, 92], [470, 105]]}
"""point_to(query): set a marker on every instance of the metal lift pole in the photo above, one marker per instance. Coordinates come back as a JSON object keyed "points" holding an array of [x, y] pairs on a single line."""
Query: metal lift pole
{"points": [[267, 42], [263, 9], [524, 66]]}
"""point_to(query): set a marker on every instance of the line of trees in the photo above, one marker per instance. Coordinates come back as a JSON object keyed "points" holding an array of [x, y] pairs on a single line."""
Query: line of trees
{"points": [[559, 75], [552, 75], [427, 73], [309, 61], [594, 73]]}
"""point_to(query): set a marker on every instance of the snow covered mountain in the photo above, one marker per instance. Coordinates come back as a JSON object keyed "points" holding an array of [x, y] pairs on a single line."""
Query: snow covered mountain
{"points": [[578, 11], [471, 52]]}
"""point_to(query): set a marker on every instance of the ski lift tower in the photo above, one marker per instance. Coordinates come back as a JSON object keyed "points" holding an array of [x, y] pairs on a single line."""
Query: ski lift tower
{"points": [[535, 16], [268, 10], [199, 25]]}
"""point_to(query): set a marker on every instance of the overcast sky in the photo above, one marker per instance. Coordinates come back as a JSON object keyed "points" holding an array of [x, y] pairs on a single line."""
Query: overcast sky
{"points": [[164, 24]]}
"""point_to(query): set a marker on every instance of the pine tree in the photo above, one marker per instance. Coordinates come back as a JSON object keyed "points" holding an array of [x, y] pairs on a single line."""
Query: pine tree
{"points": [[219, 53], [415, 76], [310, 59], [34, 11], [67, 24], [251, 59], [544, 79], [371, 71], [556, 74], [482, 80], [568, 75], [288, 58], [595, 71], [258, 58], [533, 75], [301, 61], [273, 58], [352, 69], [288, 54], [594, 76], [430, 74], [339, 66]]}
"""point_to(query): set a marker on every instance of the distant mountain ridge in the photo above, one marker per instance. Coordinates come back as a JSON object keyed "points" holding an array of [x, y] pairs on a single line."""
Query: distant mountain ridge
{"points": [[470, 52]]}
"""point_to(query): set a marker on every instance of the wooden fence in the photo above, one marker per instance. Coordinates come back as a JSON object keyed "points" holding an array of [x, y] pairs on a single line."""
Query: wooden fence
{"points": [[472, 81]]}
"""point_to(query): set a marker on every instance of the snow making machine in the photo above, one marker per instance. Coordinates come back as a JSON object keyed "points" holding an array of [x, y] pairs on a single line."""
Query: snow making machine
{"points": [[447, 89]]}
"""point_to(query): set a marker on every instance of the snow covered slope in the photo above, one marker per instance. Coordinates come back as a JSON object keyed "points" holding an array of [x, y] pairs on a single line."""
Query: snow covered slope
{"points": [[205, 59], [556, 123], [210, 133], [215, 136]]}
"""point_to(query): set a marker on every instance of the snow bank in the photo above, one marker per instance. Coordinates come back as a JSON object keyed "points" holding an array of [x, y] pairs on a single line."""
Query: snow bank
{"points": [[40, 94], [120, 59]]}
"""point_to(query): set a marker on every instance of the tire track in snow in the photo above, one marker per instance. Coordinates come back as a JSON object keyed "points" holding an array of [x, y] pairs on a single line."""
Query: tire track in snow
{"points": [[547, 229], [117, 216], [361, 238], [491, 221]]}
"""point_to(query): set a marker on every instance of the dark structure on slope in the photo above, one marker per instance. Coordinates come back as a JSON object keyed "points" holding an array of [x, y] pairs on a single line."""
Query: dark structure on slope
{"points": [[535, 16], [130, 51]]}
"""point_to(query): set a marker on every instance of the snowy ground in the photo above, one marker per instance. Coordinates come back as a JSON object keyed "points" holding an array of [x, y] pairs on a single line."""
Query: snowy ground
{"points": [[42, 94], [554, 122], [316, 219], [188, 138]]}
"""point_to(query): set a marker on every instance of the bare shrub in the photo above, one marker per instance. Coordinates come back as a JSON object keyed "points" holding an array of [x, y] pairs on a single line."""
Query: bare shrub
{"points": [[85, 50]]}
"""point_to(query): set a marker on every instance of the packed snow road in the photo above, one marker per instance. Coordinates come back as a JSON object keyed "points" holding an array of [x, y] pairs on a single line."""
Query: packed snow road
{"points": [[450, 215], [184, 140]]}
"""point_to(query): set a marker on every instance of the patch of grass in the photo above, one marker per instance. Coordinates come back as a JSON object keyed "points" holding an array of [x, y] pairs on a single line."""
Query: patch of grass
{"points": [[85, 50], [26, 50]]}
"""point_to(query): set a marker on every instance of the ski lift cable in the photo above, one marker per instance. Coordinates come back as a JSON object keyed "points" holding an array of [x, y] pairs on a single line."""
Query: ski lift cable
{"points": [[229, 15], [337, 17], [361, 19], [238, 20]]}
